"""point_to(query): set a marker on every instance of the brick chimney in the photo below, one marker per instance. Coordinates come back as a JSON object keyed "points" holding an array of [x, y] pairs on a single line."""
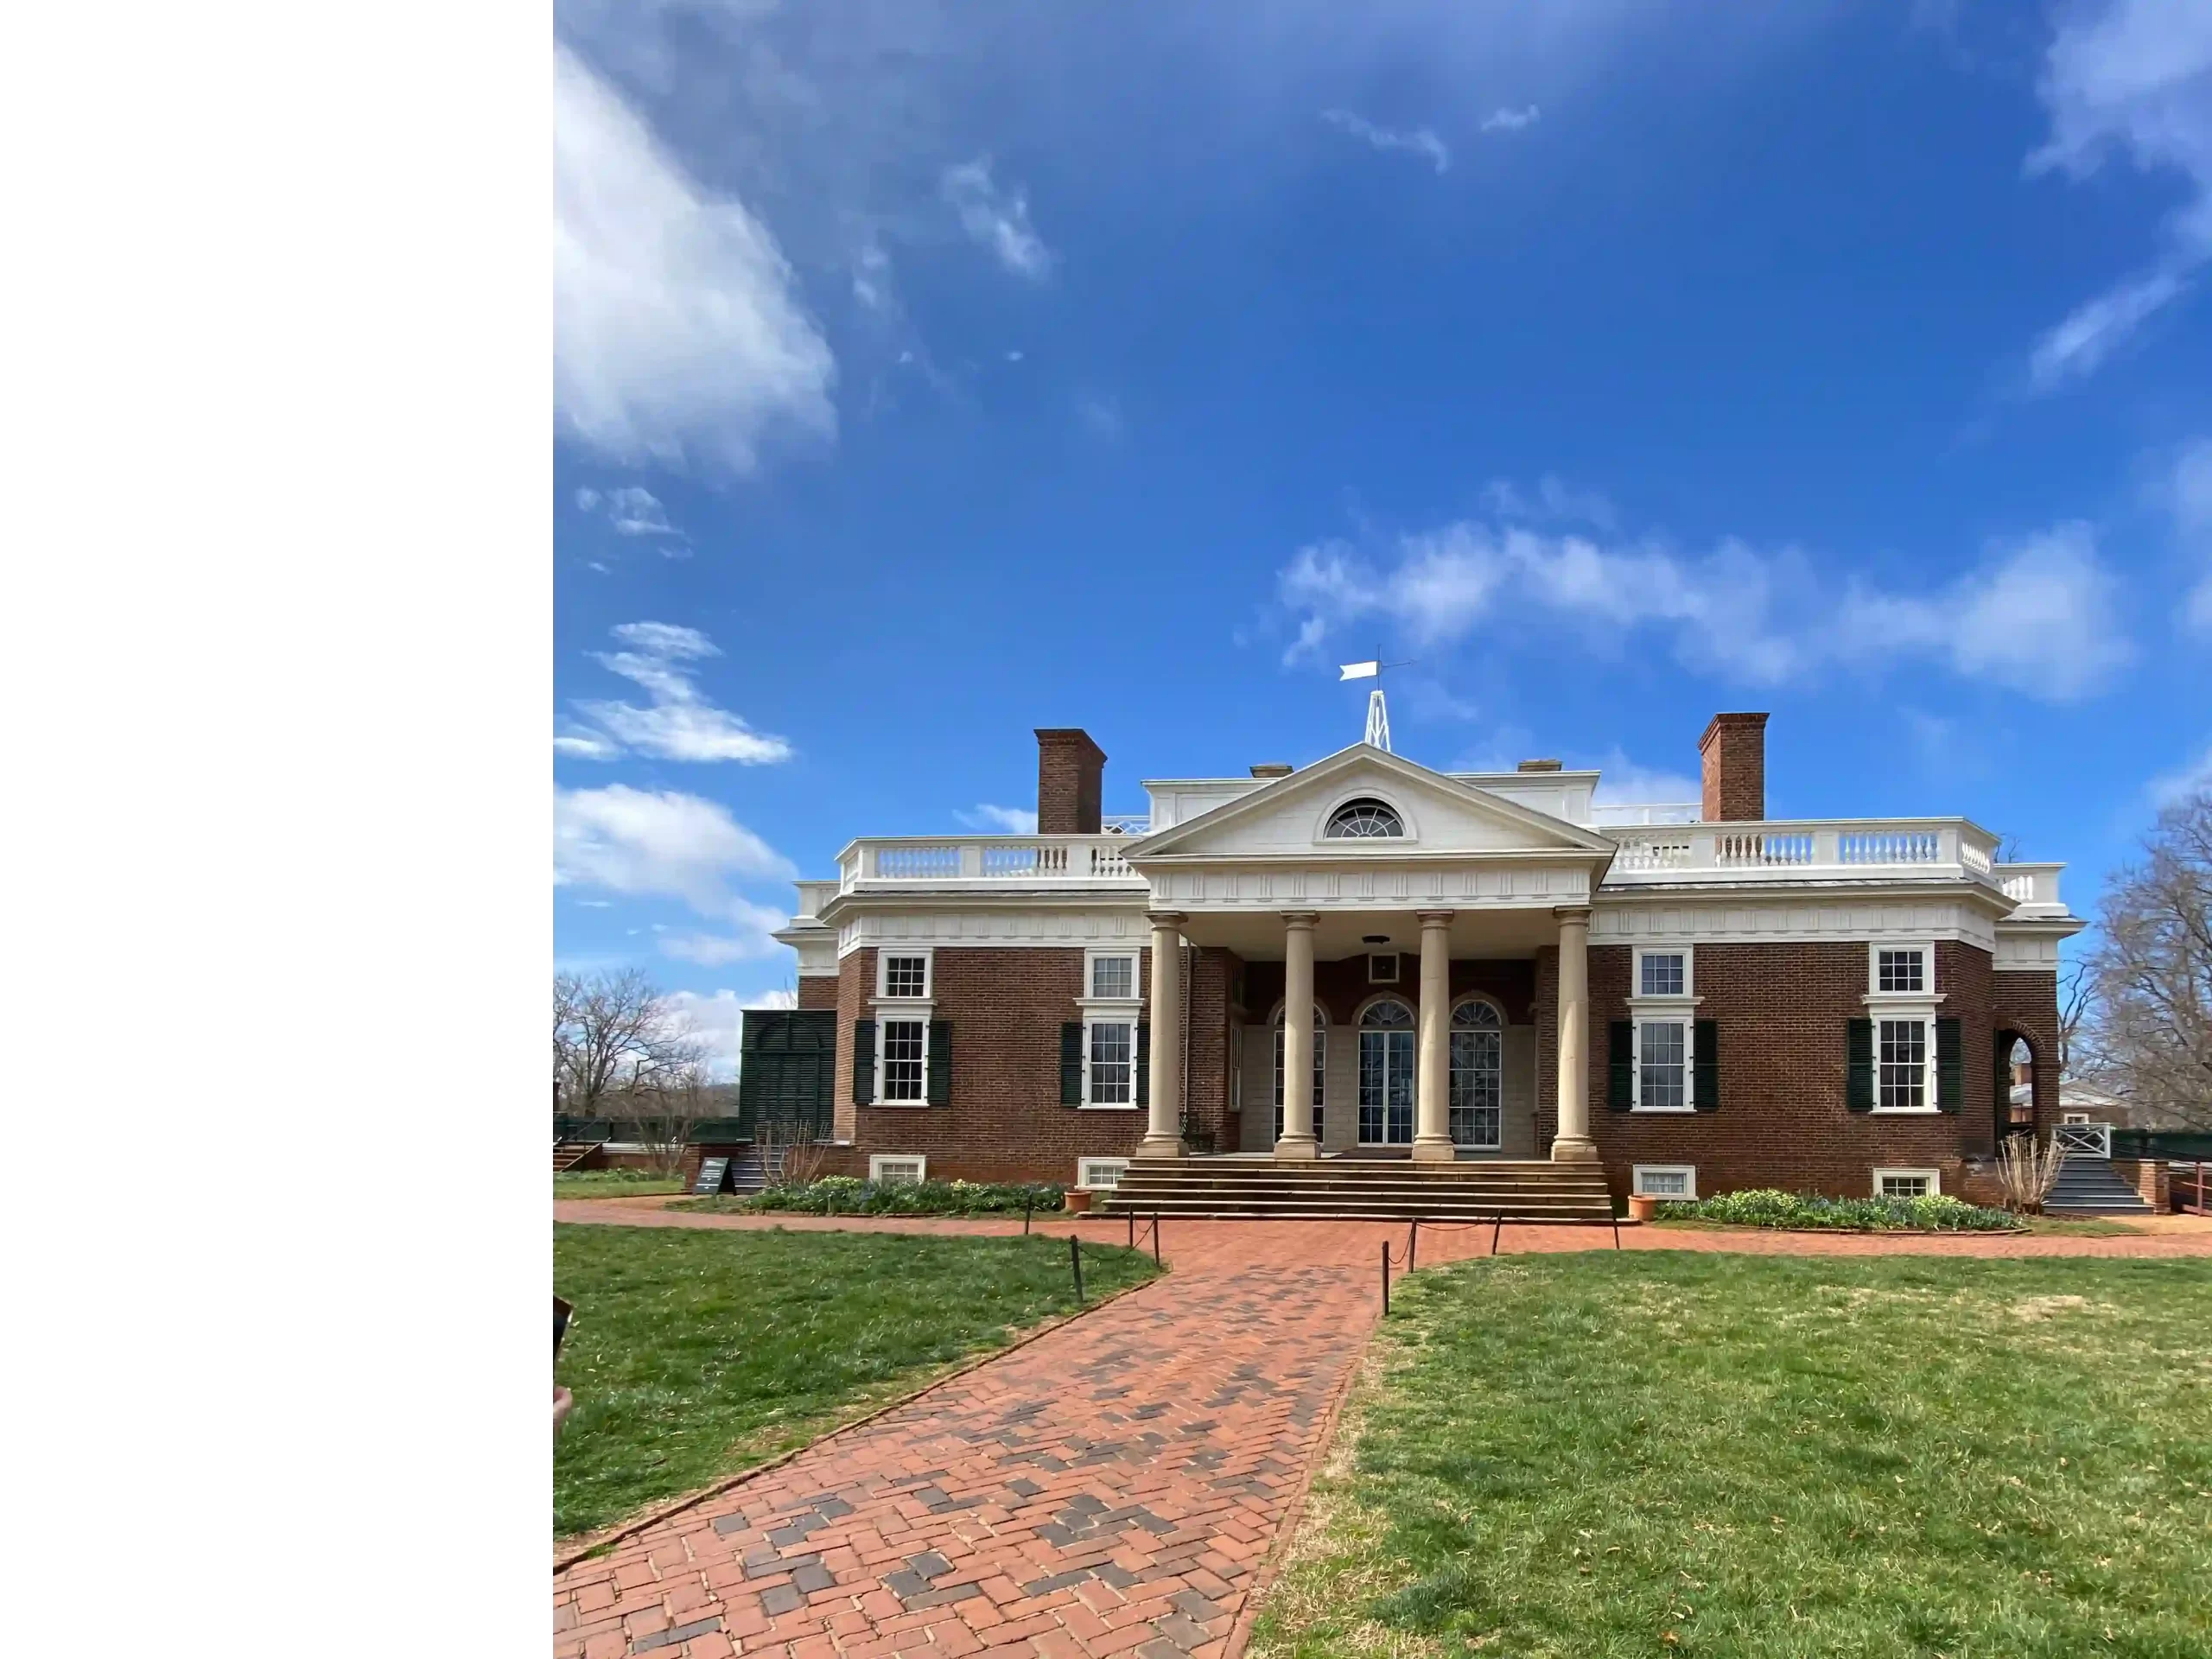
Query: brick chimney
{"points": [[1733, 749], [1071, 777]]}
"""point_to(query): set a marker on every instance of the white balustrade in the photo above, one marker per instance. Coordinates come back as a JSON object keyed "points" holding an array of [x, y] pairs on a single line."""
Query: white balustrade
{"points": [[1080, 859], [2093, 1139], [1836, 850]]}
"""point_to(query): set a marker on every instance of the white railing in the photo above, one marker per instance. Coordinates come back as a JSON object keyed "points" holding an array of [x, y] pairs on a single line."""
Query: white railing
{"points": [[1126, 823], [2032, 885], [1607, 815], [923, 860], [2094, 1138], [1832, 851]]}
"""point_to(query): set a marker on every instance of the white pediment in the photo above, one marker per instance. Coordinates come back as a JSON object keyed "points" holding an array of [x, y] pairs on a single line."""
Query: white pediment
{"points": [[1442, 816]]}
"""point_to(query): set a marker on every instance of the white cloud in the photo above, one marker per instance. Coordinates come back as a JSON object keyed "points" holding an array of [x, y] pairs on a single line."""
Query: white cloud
{"points": [[753, 924], [681, 723], [1554, 501], [1100, 416], [630, 510], [2038, 615], [658, 843], [1007, 820], [1622, 782], [2170, 788], [716, 1021], [678, 333], [1421, 141], [2186, 494], [1503, 120], [2131, 78], [996, 218]]}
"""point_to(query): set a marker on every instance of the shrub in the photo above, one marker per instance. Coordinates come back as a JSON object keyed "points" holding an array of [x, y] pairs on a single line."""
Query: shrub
{"points": [[1765, 1207], [847, 1195]]}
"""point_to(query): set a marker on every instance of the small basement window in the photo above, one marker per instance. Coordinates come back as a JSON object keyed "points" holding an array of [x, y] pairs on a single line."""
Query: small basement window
{"points": [[1907, 1182], [886, 1170], [1664, 1181], [1099, 1174]]}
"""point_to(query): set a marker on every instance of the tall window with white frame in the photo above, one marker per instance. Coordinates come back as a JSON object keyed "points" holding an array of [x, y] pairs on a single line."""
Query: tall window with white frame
{"points": [[1662, 1065], [906, 1049], [1320, 1055], [1113, 1063], [1901, 1065], [1477, 1039], [1386, 1075]]}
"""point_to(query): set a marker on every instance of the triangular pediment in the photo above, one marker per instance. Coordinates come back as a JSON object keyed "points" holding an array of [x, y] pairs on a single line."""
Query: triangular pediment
{"points": [[1443, 815]]}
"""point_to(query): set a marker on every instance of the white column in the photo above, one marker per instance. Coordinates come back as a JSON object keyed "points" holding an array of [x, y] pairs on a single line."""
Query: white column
{"points": [[1573, 1144], [1296, 1141], [1163, 1135], [1432, 1057]]}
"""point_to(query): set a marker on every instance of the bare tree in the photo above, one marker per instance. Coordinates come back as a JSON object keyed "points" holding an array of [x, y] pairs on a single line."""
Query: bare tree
{"points": [[2027, 1169], [2149, 1042], [616, 1035], [665, 1111], [2078, 994]]}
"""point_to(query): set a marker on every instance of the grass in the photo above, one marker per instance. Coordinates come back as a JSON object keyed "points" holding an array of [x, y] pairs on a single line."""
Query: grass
{"points": [[611, 1184], [697, 1354], [1733, 1455]]}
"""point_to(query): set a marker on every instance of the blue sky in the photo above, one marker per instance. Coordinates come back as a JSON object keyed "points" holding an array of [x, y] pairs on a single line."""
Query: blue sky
{"points": [[926, 374]]}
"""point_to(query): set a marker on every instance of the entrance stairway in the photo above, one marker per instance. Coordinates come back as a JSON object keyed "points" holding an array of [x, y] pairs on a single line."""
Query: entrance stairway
{"points": [[2087, 1186], [567, 1154], [1397, 1190]]}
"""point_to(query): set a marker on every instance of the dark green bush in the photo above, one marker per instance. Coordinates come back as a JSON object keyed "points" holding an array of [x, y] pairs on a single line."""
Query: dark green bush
{"points": [[847, 1195], [1765, 1207]]}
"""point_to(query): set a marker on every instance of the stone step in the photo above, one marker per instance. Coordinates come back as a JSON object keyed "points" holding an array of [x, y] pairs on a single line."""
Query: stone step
{"points": [[1393, 1189]]}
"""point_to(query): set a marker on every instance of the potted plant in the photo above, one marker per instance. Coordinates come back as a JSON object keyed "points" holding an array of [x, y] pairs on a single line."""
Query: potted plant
{"points": [[1079, 1200], [1642, 1206]]}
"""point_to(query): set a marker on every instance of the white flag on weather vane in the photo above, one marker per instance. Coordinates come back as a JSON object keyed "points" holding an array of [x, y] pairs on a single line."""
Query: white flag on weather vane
{"points": [[1359, 670]]}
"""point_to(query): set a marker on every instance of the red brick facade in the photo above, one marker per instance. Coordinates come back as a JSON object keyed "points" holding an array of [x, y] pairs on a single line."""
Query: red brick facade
{"points": [[818, 991], [1780, 1013]]}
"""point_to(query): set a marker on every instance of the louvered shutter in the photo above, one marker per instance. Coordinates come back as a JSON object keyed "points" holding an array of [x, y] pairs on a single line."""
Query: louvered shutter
{"points": [[1705, 1086], [1858, 1065], [863, 1062], [1072, 1064], [1144, 1065], [940, 1076], [1950, 1061], [1620, 1064]]}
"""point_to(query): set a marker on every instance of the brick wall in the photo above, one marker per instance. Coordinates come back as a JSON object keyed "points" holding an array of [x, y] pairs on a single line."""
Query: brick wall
{"points": [[1004, 1122], [1341, 987], [2028, 1003], [818, 991], [1781, 1011]]}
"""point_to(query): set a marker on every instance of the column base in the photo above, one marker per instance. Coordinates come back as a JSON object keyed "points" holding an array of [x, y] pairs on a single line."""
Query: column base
{"points": [[1439, 1151], [1574, 1149], [1300, 1149], [1160, 1146]]}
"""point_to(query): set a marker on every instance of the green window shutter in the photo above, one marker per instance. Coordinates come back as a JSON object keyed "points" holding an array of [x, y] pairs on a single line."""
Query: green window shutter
{"points": [[1704, 1086], [1072, 1064], [863, 1062], [1620, 1066], [1144, 1065], [1858, 1065], [1950, 1060], [940, 1076]]}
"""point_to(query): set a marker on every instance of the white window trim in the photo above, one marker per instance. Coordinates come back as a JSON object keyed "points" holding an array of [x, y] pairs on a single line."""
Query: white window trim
{"points": [[1085, 1165], [883, 956], [1687, 998], [1110, 1018], [1134, 1000], [1874, 991], [1397, 967], [1665, 1011], [1410, 838], [1636, 1173], [1359, 1031], [877, 1160], [1934, 1179], [1921, 1011], [900, 1008]]}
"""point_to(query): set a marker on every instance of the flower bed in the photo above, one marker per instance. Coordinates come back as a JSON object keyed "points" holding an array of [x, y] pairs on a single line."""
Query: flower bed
{"points": [[1765, 1207], [847, 1195]]}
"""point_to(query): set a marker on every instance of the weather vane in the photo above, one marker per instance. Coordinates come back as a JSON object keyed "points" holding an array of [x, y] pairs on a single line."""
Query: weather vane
{"points": [[1378, 712]]}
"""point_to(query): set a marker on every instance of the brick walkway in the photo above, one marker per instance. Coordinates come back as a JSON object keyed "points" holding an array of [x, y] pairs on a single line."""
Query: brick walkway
{"points": [[1110, 1488]]}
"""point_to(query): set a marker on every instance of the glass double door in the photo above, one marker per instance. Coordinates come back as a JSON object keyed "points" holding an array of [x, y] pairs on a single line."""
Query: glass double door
{"points": [[1386, 1087]]}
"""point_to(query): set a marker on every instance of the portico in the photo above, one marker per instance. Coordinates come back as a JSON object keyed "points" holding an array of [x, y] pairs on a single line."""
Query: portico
{"points": [[1366, 864]]}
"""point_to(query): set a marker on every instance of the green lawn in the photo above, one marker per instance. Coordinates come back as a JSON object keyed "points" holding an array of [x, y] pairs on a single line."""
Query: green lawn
{"points": [[1664, 1453], [610, 1184], [695, 1354]]}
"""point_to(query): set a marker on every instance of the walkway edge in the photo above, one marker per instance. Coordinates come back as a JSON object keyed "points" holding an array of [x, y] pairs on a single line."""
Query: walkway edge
{"points": [[1271, 1564], [591, 1546]]}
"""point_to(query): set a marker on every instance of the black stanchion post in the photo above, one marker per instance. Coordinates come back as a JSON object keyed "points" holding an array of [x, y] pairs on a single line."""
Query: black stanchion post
{"points": [[1496, 1230], [1133, 1229], [1413, 1241], [1386, 1278], [1075, 1261], [1155, 1240], [1028, 1203]]}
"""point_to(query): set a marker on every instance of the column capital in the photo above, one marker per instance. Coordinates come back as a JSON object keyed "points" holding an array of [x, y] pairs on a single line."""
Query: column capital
{"points": [[1304, 918], [1571, 913], [1166, 918], [1434, 917]]}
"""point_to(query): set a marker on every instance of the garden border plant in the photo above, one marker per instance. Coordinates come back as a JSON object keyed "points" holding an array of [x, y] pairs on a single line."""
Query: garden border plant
{"points": [[848, 1195], [1769, 1207]]}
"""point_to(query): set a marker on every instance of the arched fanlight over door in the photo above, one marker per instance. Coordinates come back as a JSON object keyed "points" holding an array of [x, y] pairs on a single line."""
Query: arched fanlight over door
{"points": [[1477, 1066], [1364, 819]]}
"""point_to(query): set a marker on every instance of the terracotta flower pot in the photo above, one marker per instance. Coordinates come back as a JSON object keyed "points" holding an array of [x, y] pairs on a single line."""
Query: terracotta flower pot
{"points": [[1077, 1203], [1641, 1207]]}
